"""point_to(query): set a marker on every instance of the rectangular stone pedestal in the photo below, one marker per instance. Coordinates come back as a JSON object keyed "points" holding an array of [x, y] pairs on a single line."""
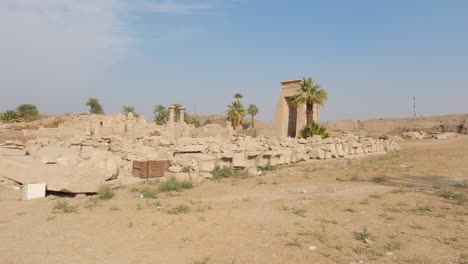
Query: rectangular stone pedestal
{"points": [[34, 191]]}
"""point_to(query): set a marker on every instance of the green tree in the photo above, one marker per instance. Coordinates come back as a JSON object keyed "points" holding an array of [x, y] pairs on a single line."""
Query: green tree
{"points": [[129, 109], [94, 106], [161, 114], [10, 116], [27, 112], [193, 120], [252, 110], [238, 96], [310, 94], [177, 111], [208, 121], [235, 113]]}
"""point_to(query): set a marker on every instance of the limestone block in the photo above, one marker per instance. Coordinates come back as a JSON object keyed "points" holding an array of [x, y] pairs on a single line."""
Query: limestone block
{"points": [[68, 159], [300, 156], [317, 138], [86, 152], [276, 160], [33, 191], [317, 153], [115, 146], [286, 156], [224, 162], [191, 149], [164, 142], [205, 162], [175, 169], [44, 141], [12, 152], [328, 155], [339, 150], [332, 149], [251, 161], [112, 169], [252, 171], [238, 160], [75, 148], [359, 150]]}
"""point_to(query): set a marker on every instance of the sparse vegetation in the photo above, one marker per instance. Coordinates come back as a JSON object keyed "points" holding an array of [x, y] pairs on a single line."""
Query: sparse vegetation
{"points": [[105, 192], [226, 172], [379, 179], [421, 208], [175, 185], [268, 167], [10, 116], [64, 207], [204, 260], [294, 243], [179, 209], [315, 129], [299, 211], [362, 235], [148, 192], [186, 169], [23, 113]]}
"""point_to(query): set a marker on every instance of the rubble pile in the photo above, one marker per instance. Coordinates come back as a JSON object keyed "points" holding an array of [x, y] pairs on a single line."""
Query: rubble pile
{"points": [[81, 163]]}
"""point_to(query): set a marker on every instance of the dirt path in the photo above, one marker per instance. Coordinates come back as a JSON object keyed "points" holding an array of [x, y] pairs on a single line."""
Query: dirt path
{"points": [[413, 204]]}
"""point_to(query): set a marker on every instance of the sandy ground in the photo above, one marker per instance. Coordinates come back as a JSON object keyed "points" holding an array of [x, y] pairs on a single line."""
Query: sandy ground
{"points": [[413, 204]]}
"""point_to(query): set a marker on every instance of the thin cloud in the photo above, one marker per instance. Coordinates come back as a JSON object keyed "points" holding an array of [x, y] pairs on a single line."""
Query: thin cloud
{"points": [[181, 6]]}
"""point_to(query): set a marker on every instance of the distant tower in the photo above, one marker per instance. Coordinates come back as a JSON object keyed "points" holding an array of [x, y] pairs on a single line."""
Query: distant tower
{"points": [[414, 106]]}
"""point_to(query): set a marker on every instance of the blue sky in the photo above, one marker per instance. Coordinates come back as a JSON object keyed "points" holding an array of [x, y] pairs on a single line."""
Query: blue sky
{"points": [[371, 56]]}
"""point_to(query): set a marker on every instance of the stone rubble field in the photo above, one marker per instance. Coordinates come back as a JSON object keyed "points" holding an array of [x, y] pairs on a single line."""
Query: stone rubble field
{"points": [[82, 163]]}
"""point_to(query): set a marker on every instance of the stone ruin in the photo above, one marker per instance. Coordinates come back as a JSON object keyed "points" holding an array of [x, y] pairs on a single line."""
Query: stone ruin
{"points": [[289, 120], [89, 150]]}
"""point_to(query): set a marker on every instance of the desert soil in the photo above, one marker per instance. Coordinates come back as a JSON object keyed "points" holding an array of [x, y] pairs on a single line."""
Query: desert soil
{"points": [[413, 205]]}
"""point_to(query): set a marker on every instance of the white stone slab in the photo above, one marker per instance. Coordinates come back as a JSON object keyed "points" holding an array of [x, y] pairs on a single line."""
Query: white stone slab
{"points": [[34, 191]]}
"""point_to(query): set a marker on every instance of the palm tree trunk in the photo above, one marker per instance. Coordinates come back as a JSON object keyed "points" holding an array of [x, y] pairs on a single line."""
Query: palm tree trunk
{"points": [[253, 124], [310, 115]]}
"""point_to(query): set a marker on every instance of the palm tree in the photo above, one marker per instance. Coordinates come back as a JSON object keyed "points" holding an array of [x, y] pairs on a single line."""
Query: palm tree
{"points": [[160, 114], [310, 94], [129, 109], [94, 106], [238, 96], [253, 110], [177, 111], [235, 113]]}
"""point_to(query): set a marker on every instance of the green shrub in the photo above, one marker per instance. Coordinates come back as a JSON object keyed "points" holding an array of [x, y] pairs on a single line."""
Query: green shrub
{"points": [[226, 172], [148, 192], [173, 184], [105, 192], [222, 172], [64, 207], [268, 167], [27, 112], [363, 235], [186, 169], [10, 116], [315, 129]]}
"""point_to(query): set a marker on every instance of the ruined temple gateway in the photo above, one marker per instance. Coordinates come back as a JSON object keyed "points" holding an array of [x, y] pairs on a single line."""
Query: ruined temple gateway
{"points": [[289, 120]]}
